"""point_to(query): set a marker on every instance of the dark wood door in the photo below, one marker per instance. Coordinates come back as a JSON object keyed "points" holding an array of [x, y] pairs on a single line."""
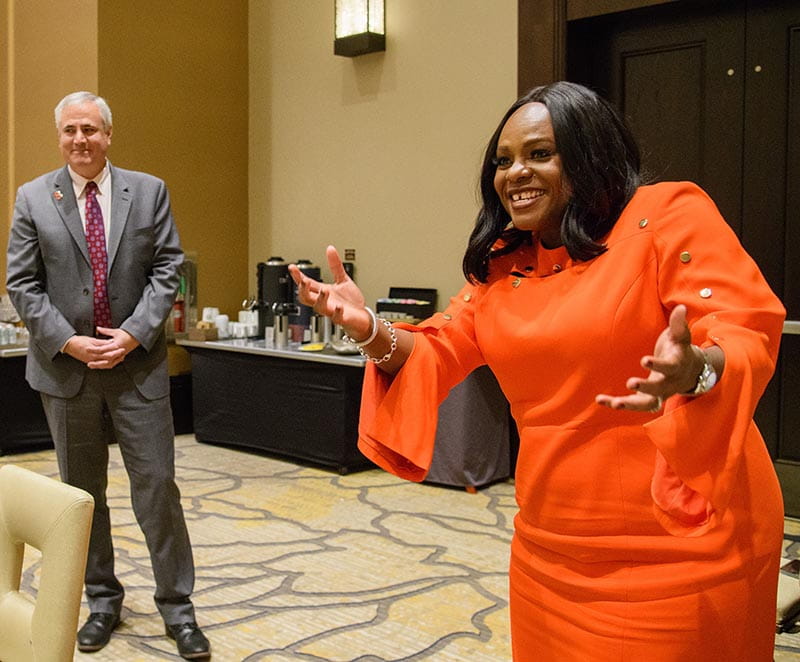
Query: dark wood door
{"points": [[712, 92], [771, 208], [678, 78]]}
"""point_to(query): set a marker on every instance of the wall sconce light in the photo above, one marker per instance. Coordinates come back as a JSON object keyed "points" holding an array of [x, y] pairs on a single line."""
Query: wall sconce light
{"points": [[360, 27]]}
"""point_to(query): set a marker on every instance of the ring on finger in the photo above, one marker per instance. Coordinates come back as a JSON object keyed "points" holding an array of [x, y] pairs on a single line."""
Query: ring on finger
{"points": [[659, 403]]}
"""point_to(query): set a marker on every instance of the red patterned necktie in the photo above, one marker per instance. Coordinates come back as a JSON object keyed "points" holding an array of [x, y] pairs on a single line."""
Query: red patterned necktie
{"points": [[96, 241]]}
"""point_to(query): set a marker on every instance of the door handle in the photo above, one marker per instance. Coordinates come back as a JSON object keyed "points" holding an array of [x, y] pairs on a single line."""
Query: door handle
{"points": [[791, 327]]}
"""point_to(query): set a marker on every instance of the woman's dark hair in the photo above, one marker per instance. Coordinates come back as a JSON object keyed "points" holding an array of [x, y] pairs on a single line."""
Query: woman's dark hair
{"points": [[600, 160]]}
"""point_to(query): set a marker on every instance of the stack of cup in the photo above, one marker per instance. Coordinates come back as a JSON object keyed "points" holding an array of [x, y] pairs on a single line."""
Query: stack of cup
{"points": [[8, 334], [221, 322], [210, 314], [249, 319]]}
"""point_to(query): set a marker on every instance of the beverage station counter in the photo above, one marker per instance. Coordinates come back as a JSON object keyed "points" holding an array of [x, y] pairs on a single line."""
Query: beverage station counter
{"points": [[302, 405], [23, 426]]}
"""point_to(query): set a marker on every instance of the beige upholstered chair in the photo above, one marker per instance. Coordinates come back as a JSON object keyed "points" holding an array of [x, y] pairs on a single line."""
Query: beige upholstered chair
{"points": [[56, 519]]}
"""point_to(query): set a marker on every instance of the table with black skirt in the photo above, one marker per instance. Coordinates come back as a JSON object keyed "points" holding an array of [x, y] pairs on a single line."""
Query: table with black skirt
{"points": [[23, 426], [304, 406]]}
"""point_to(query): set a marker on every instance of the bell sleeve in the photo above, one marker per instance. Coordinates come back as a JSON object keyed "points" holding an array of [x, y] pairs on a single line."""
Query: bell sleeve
{"points": [[702, 441], [399, 413]]}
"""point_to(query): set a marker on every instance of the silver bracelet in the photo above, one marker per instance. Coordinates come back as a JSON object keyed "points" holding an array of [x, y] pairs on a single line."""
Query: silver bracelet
{"points": [[388, 355], [372, 335]]}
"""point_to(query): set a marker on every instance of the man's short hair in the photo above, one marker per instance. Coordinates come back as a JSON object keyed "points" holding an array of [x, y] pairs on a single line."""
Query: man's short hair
{"points": [[77, 98]]}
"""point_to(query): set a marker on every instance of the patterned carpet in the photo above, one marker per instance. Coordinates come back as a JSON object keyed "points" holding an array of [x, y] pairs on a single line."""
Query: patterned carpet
{"points": [[299, 563]]}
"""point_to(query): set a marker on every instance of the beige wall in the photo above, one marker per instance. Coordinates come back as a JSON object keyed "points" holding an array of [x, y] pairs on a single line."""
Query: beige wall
{"points": [[175, 75], [5, 166], [378, 153], [34, 53]]}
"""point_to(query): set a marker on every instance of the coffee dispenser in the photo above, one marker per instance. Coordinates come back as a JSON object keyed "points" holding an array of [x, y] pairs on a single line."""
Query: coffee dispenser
{"points": [[273, 287], [301, 321]]}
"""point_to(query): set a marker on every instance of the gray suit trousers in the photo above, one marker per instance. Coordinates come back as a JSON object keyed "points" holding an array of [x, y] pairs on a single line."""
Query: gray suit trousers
{"points": [[109, 407]]}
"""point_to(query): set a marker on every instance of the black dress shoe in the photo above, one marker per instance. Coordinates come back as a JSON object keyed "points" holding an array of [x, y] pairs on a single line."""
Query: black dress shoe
{"points": [[96, 632], [192, 643]]}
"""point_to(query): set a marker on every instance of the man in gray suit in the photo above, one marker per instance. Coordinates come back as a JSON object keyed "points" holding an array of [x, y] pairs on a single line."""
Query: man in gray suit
{"points": [[93, 261]]}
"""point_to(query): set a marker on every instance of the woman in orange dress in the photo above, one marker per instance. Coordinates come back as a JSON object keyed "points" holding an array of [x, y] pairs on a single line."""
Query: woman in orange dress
{"points": [[632, 336]]}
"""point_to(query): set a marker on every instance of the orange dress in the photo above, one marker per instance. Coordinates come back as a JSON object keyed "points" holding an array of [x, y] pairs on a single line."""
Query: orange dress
{"points": [[640, 536]]}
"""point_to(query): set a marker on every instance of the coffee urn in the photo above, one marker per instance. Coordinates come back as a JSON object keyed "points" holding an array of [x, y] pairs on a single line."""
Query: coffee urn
{"points": [[273, 287], [300, 322]]}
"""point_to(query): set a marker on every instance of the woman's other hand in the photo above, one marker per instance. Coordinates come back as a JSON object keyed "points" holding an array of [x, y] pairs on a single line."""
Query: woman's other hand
{"points": [[341, 300], [674, 368]]}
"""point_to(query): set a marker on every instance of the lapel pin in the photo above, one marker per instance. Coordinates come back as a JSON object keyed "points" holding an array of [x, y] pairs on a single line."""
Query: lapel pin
{"points": [[58, 195]]}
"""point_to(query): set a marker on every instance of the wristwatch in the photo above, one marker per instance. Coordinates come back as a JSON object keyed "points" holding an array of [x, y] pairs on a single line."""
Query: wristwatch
{"points": [[707, 377]]}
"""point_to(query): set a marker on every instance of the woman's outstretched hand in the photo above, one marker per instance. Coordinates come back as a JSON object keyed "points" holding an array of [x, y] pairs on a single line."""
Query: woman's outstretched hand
{"points": [[674, 367], [341, 300]]}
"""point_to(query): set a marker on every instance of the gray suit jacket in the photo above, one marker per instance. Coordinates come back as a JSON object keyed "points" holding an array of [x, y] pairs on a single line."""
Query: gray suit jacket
{"points": [[50, 281]]}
